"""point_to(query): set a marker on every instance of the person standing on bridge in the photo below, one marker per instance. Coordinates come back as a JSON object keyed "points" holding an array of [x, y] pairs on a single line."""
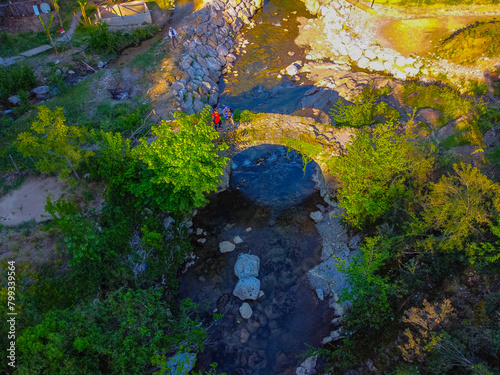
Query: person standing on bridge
{"points": [[173, 36], [228, 115], [216, 119]]}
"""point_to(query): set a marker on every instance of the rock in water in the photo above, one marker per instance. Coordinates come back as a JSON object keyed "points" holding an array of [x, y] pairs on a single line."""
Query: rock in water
{"points": [[246, 311], [247, 288], [247, 266], [226, 247]]}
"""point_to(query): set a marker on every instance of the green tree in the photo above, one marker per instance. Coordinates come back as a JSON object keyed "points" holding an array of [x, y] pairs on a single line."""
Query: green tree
{"points": [[117, 335], [462, 208], [185, 158], [369, 291], [83, 241], [377, 171], [56, 146]]}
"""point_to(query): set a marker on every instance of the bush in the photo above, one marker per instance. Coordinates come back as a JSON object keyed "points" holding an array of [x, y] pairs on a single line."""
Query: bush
{"points": [[16, 78], [364, 110], [243, 116], [102, 40], [380, 171]]}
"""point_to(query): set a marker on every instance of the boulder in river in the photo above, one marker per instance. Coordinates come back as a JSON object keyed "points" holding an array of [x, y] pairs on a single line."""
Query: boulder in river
{"points": [[292, 69], [226, 247], [247, 265], [246, 311], [247, 288]]}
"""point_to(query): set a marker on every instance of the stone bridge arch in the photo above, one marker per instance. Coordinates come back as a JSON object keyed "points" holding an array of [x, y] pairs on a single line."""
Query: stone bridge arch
{"points": [[314, 140]]}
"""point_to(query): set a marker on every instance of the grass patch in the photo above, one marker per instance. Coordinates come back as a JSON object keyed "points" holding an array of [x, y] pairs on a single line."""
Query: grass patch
{"points": [[123, 117], [77, 102], [453, 141], [444, 99], [13, 44], [493, 156], [149, 61], [472, 43], [7, 186]]}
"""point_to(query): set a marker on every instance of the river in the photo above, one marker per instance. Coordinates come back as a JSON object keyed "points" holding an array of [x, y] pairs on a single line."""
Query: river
{"points": [[267, 205]]}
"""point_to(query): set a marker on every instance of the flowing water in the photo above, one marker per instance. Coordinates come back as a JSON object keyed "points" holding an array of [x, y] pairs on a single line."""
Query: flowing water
{"points": [[267, 205]]}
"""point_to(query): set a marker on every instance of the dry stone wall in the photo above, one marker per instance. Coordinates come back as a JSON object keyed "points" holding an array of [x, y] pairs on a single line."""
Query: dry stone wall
{"points": [[208, 50]]}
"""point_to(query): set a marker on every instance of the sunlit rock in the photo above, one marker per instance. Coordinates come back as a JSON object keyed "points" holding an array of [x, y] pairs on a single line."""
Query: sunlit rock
{"points": [[292, 69], [355, 53], [363, 62]]}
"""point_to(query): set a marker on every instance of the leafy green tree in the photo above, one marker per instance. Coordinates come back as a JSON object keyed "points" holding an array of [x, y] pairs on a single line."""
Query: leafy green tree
{"points": [[462, 208], [118, 335], [56, 146], [369, 291], [488, 252], [82, 240], [185, 158], [377, 172]]}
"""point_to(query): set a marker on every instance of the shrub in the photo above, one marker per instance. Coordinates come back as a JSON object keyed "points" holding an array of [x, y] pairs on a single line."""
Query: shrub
{"points": [[461, 207], [364, 110], [102, 40], [16, 78], [376, 173]]}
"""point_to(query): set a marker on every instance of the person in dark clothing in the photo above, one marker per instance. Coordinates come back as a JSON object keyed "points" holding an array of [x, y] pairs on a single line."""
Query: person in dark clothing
{"points": [[228, 115], [216, 120]]}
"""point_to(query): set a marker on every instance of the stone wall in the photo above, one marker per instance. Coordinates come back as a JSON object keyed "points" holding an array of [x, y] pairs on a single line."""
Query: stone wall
{"points": [[208, 46]]}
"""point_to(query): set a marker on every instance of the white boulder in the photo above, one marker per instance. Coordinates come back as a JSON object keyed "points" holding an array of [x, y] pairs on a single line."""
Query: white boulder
{"points": [[247, 288], [247, 265]]}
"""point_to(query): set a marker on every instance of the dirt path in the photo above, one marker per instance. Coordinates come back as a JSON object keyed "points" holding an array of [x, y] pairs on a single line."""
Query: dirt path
{"points": [[28, 202]]}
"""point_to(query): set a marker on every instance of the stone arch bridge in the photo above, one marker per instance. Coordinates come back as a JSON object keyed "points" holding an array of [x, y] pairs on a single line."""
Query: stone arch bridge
{"points": [[315, 141]]}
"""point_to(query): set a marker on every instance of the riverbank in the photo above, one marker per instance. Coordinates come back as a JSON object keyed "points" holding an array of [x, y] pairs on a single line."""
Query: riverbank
{"points": [[363, 40]]}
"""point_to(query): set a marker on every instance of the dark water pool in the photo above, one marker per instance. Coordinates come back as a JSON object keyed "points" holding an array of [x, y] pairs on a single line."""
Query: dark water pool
{"points": [[269, 193]]}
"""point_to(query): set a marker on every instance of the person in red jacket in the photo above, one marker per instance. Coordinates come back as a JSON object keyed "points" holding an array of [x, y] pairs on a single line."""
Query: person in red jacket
{"points": [[216, 120]]}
